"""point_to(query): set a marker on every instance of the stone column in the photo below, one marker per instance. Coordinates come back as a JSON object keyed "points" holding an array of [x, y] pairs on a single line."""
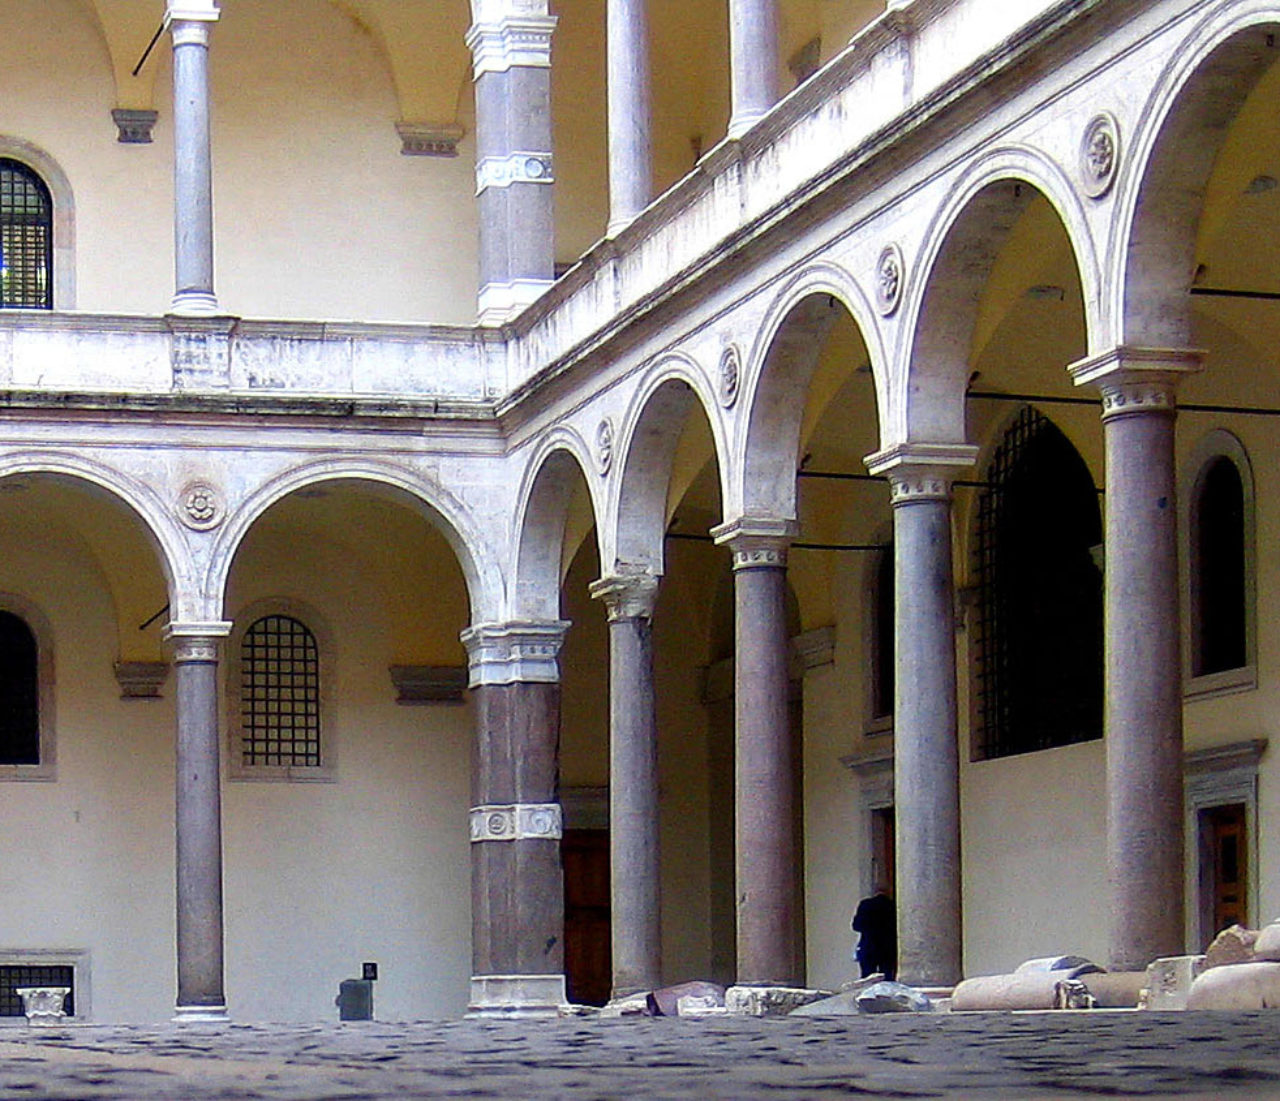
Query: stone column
{"points": [[630, 148], [1143, 708], [511, 63], [764, 863], [753, 61], [926, 752], [199, 821], [517, 889], [188, 22], [635, 872]]}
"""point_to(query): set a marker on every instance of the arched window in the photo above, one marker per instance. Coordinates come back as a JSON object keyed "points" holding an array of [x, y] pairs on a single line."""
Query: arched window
{"points": [[1220, 541], [26, 238], [277, 698], [882, 640], [1039, 638], [19, 692]]}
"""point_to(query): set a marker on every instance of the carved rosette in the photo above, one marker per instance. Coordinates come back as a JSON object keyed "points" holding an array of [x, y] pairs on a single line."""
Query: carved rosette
{"points": [[1099, 155], [200, 506], [604, 446], [1137, 396], [514, 168], [890, 272], [730, 375], [194, 648], [517, 822], [906, 486]]}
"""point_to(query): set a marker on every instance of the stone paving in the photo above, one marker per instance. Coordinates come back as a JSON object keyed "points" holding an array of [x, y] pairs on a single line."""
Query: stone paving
{"points": [[998, 1056]]}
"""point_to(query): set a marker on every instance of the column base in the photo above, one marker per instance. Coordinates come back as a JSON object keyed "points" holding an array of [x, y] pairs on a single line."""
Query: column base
{"points": [[195, 304], [517, 997], [201, 1015]]}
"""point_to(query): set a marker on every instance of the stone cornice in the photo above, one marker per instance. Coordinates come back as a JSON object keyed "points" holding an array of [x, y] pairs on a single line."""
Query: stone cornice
{"points": [[516, 652]]}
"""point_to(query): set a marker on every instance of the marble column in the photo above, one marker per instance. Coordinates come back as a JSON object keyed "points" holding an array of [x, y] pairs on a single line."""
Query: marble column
{"points": [[926, 751], [1142, 642], [630, 146], [511, 63], [199, 820], [635, 871], [764, 864], [517, 888], [753, 62], [188, 22]]}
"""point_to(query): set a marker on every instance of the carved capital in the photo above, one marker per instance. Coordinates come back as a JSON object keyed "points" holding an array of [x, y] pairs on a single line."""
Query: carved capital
{"points": [[757, 542], [141, 680], [195, 642], [513, 42], [1135, 381], [429, 139], [190, 32], [921, 471], [627, 595], [514, 653], [133, 127], [517, 822]]}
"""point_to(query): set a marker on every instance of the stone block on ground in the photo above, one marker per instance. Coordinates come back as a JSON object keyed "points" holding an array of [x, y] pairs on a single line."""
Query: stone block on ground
{"points": [[1169, 981], [893, 997], [768, 1001], [1021, 990], [1115, 989], [1234, 944], [1267, 944], [666, 1002], [1253, 985]]}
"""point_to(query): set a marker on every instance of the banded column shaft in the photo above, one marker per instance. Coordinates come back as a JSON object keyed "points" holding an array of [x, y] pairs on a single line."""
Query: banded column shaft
{"points": [[1143, 709], [635, 872], [189, 22], [517, 889], [753, 62], [511, 62], [199, 821], [926, 753], [630, 144], [764, 861]]}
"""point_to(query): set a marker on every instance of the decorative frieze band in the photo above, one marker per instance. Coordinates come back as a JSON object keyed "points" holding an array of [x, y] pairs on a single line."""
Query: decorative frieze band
{"points": [[517, 822], [514, 168], [514, 653], [516, 42]]}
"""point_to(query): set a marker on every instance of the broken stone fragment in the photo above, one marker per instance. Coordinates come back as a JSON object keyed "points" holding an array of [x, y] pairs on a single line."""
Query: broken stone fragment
{"points": [[1254, 985], [1267, 944], [768, 1001], [1235, 944], [1021, 990], [666, 1002], [1115, 989], [634, 1005], [1169, 981], [893, 997]]}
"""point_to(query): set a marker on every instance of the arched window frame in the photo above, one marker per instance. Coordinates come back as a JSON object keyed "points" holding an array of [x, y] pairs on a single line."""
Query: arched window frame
{"points": [[878, 714], [64, 214], [314, 622], [34, 618], [1216, 444]]}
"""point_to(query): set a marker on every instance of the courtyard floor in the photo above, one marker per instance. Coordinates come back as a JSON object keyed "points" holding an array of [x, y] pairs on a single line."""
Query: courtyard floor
{"points": [[1022, 1056]]}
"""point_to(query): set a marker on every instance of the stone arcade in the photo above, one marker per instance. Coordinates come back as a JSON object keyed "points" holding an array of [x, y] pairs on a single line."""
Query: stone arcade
{"points": [[828, 438]]}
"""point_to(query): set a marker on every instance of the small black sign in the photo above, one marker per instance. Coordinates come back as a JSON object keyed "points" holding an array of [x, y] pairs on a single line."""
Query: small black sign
{"points": [[370, 971]]}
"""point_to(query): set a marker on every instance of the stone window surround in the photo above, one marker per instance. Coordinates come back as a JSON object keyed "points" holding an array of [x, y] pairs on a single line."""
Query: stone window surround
{"points": [[875, 788], [75, 958], [35, 619], [64, 215], [326, 771], [1214, 444], [874, 725]]}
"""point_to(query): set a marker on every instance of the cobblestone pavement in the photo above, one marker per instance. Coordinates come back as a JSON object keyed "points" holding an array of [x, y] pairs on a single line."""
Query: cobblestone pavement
{"points": [[1025, 1056]]}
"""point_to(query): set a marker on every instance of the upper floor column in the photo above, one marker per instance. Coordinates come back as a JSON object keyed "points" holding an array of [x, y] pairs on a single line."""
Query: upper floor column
{"points": [[630, 120], [188, 22], [510, 44], [1142, 643], [753, 48]]}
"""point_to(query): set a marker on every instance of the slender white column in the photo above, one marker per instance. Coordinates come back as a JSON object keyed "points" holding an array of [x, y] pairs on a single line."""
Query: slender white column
{"points": [[630, 152], [201, 996], [1143, 709], [188, 22], [753, 63], [926, 753], [635, 871]]}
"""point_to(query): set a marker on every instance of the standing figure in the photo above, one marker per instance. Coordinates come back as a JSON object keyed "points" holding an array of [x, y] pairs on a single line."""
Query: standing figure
{"points": [[876, 920]]}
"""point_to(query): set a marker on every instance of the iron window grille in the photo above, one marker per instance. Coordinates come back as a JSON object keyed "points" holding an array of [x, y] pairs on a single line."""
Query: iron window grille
{"points": [[19, 692], [13, 977], [26, 238], [280, 694], [1039, 622]]}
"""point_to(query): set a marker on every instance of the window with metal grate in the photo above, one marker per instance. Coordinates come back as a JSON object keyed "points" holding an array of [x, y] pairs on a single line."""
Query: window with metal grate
{"points": [[19, 693], [280, 694], [26, 238], [14, 977]]}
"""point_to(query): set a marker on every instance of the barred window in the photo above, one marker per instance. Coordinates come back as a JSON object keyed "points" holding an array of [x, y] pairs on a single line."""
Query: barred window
{"points": [[13, 977], [1039, 636], [19, 692], [280, 694], [26, 238]]}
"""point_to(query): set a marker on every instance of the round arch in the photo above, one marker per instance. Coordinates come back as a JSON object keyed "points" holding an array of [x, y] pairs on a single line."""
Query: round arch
{"points": [[943, 291], [484, 579], [779, 371]]}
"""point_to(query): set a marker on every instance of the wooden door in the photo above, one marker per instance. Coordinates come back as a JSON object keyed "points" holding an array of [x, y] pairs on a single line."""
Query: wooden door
{"points": [[1224, 873], [588, 960]]}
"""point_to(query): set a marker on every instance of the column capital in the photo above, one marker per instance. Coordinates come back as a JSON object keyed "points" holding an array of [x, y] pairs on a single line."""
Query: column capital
{"points": [[518, 652], [517, 41], [191, 11], [921, 471], [195, 641], [627, 594], [757, 542], [1135, 380]]}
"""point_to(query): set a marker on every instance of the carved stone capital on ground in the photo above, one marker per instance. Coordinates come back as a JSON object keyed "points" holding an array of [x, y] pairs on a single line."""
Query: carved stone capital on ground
{"points": [[627, 595], [757, 542], [922, 471], [514, 653], [1135, 380]]}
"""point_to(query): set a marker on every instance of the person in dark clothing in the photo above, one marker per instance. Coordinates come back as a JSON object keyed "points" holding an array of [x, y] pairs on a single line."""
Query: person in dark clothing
{"points": [[876, 922]]}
